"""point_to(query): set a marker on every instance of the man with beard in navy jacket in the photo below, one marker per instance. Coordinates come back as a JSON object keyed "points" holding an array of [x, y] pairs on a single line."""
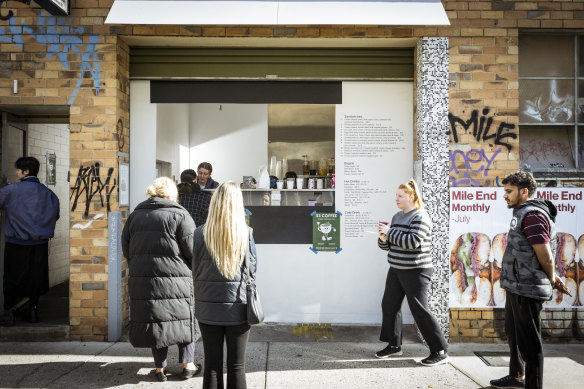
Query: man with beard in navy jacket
{"points": [[31, 212]]}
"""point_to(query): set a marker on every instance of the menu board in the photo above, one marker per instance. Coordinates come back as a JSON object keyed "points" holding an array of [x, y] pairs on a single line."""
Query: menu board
{"points": [[374, 153], [479, 222]]}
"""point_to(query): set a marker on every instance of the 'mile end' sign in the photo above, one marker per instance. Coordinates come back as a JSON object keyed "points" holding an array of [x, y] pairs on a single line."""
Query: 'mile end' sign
{"points": [[55, 7]]}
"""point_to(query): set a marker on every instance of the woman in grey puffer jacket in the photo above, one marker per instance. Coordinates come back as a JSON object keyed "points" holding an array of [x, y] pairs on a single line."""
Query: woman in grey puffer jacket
{"points": [[158, 242], [221, 304]]}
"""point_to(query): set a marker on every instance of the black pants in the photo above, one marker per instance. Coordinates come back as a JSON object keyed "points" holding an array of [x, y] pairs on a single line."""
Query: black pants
{"points": [[186, 354], [236, 338], [523, 328], [26, 272], [412, 284]]}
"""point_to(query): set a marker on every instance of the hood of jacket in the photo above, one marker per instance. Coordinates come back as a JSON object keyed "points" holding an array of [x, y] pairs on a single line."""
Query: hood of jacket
{"points": [[544, 205], [158, 202]]}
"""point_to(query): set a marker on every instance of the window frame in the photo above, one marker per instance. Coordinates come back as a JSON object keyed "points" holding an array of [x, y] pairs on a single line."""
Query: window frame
{"points": [[576, 35]]}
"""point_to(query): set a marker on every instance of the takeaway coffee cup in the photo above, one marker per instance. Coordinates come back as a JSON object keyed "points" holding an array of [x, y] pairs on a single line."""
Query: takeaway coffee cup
{"points": [[290, 183], [300, 183], [383, 227], [280, 184]]}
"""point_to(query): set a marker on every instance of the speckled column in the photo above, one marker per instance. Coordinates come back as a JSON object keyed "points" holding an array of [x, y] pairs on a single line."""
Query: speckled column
{"points": [[433, 142]]}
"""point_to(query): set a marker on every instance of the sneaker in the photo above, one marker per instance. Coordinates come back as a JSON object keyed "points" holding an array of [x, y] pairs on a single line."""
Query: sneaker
{"points": [[161, 375], [389, 351], [188, 373], [507, 382], [435, 359]]}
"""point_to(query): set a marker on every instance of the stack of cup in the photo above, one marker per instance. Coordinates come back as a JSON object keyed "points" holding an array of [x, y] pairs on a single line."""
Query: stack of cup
{"points": [[300, 182]]}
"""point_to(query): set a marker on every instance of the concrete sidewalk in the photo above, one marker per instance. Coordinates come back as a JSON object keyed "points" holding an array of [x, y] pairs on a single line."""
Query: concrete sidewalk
{"points": [[276, 359]]}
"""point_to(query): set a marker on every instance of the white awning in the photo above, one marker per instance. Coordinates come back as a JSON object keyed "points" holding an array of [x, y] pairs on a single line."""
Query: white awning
{"points": [[278, 12]]}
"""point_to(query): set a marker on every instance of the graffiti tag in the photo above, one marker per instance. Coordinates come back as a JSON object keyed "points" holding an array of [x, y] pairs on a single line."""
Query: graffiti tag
{"points": [[89, 182], [481, 128], [475, 161], [544, 151], [10, 13], [62, 40]]}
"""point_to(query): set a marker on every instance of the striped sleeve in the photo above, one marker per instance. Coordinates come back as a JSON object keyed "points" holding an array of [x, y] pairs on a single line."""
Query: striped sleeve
{"points": [[410, 236], [536, 228], [383, 245]]}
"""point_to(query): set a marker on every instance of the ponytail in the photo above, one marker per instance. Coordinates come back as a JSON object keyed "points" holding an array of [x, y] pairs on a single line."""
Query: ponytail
{"points": [[411, 188]]}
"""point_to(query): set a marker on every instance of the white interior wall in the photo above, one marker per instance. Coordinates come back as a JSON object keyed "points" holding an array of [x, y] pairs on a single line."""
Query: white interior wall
{"points": [[172, 136], [232, 137], [142, 141], [54, 138]]}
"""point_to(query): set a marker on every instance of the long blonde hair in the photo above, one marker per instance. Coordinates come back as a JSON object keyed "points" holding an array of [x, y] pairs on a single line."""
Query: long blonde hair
{"points": [[226, 233], [411, 188], [163, 187]]}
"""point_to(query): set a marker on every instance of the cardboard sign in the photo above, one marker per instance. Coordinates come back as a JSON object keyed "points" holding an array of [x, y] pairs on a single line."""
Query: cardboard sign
{"points": [[479, 222]]}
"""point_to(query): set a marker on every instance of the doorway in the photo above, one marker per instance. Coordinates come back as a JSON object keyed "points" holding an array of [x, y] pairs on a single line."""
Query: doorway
{"points": [[43, 133]]}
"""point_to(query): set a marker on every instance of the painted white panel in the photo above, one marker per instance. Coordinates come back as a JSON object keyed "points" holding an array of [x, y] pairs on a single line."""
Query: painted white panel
{"points": [[192, 12], [300, 286], [388, 12], [142, 141], [172, 136], [362, 12], [232, 137]]}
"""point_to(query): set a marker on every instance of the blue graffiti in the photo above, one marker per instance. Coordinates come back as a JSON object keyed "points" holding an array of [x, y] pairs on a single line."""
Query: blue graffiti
{"points": [[61, 40], [475, 161]]}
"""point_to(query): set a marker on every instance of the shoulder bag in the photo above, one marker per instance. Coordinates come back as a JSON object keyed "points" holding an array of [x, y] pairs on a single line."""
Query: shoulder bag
{"points": [[255, 312]]}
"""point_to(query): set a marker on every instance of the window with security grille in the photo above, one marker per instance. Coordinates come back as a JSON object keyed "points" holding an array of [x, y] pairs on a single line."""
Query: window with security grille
{"points": [[551, 103]]}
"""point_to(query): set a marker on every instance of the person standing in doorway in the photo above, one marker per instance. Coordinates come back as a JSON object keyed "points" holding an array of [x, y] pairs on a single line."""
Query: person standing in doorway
{"points": [[528, 277], [205, 181], [32, 210], [157, 240], [408, 241], [192, 197]]}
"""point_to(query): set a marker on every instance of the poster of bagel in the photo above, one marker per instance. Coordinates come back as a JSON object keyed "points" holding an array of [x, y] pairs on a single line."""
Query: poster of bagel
{"points": [[479, 222]]}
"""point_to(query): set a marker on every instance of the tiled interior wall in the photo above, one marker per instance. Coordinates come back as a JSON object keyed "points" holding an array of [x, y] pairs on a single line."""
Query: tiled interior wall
{"points": [[54, 138]]}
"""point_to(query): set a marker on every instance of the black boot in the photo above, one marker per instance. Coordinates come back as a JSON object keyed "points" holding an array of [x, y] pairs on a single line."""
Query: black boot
{"points": [[34, 314], [7, 320]]}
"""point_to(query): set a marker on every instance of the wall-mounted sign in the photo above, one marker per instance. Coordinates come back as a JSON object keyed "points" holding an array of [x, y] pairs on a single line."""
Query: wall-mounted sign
{"points": [[479, 222], [55, 7], [124, 187], [51, 177], [326, 232]]}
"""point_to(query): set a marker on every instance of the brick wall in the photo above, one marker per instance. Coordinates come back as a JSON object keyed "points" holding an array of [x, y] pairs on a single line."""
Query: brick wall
{"points": [[94, 83]]}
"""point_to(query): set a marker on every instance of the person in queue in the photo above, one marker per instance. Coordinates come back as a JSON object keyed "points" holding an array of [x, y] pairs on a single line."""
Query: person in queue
{"points": [[32, 211], [157, 240], [408, 241], [192, 198], [220, 292], [204, 171], [528, 277]]}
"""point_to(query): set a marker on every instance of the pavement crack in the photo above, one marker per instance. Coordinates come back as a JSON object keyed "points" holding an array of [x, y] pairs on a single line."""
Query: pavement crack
{"points": [[267, 366], [81, 364], [466, 374]]}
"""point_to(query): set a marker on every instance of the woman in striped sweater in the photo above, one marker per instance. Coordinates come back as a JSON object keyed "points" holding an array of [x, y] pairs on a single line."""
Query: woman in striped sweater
{"points": [[408, 242]]}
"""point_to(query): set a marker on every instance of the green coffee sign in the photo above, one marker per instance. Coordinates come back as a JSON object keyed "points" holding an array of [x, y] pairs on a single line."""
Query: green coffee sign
{"points": [[326, 232]]}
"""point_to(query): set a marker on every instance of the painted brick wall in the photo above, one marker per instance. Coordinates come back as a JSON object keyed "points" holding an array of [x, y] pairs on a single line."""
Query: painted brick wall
{"points": [[54, 138], [91, 75], [73, 61], [484, 84]]}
